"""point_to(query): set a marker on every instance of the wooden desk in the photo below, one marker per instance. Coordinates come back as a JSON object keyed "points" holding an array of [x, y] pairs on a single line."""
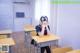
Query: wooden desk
{"points": [[41, 40], [74, 51], [45, 41], [28, 29], [5, 32], [3, 36], [6, 43]]}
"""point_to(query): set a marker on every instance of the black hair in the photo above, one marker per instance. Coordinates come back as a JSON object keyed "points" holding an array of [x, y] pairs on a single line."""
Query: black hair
{"points": [[43, 18]]}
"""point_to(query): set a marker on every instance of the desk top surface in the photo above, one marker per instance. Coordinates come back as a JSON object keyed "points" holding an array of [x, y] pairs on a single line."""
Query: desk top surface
{"points": [[2, 32], [74, 51], [7, 41], [50, 37], [29, 28]]}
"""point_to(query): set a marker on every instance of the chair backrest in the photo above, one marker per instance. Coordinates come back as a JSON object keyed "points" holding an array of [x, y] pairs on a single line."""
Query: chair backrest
{"points": [[61, 50]]}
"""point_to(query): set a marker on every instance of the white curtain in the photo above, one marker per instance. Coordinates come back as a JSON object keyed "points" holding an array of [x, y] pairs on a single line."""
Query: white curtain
{"points": [[42, 8]]}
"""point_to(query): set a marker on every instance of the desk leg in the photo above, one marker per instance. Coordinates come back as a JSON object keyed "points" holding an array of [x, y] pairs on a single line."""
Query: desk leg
{"points": [[56, 43], [38, 49], [10, 49]]}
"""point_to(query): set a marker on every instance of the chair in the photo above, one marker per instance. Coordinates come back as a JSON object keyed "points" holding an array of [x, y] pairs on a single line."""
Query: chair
{"points": [[30, 27]]}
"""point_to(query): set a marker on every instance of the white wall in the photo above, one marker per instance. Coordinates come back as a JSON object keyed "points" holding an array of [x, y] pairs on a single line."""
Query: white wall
{"points": [[67, 19], [20, 22], [27, 8], [53, 18], [6, 15], [8, 19]]}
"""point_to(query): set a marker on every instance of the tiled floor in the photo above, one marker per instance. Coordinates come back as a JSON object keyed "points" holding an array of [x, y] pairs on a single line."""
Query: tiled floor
{"points": [[20, 44]]}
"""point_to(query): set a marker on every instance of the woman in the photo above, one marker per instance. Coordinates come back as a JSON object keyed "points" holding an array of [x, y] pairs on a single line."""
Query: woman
{"points": [[43, 29]]}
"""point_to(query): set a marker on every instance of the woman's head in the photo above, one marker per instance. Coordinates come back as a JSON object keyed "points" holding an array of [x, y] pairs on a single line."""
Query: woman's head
{"points": [[44, 19]]}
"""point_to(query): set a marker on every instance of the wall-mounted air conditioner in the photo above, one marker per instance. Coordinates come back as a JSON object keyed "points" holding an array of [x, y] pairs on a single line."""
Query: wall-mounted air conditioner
{"points": [[21, 1]]}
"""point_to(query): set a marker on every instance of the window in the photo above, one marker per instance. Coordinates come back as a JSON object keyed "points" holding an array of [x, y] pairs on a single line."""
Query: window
{"points": [[42, 8]]}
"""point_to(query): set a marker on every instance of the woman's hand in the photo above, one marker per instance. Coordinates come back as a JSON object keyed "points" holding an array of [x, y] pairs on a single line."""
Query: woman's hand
{"points": [[44, 24]]}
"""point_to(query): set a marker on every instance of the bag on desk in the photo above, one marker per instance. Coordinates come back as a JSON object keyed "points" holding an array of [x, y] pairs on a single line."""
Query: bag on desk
{"points": [[33, 42]]}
